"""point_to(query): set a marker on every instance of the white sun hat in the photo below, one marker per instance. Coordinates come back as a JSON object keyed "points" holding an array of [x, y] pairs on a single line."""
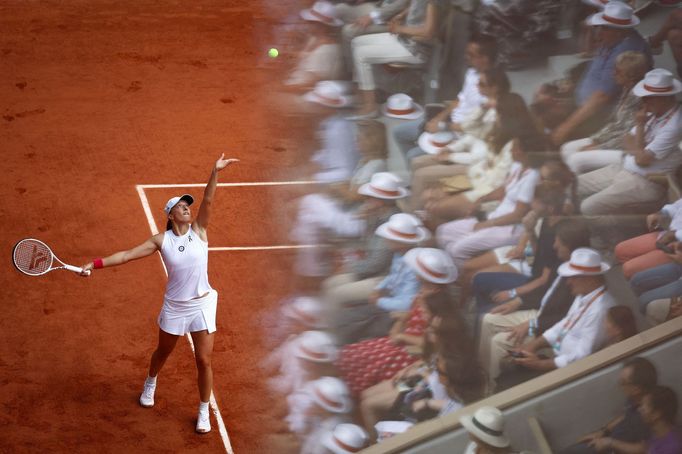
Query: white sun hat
{"points": [[432, 264], [331, 393], [384, 185], [584, 262], [658, 82], [402, 106], [323, 12], [486, 424], [346, 439], [616, 15], [306, 310], [403, 228], [433, 143], [316, 346], [330, 93]]}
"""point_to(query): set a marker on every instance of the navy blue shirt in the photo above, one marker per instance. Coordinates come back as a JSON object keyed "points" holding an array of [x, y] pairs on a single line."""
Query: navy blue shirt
{"points": [[599, 75]]}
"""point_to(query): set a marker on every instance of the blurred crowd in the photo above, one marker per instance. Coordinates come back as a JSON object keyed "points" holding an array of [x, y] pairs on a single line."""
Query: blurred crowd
{"points": [[486, 263]]}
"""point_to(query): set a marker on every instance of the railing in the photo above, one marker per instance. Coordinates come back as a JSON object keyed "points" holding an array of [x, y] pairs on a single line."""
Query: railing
{"points": [[432, 429]]}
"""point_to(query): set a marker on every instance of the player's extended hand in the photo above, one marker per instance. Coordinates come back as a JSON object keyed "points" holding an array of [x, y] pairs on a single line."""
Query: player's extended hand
{"points": [[87, 269], [221, 163]]}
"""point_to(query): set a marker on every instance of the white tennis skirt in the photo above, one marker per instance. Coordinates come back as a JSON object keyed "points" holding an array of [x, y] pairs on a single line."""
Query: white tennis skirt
{"points": [[182, 317]]}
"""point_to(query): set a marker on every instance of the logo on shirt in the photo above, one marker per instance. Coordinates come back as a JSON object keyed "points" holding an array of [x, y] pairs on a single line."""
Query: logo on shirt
{"points": [[181, 248]]}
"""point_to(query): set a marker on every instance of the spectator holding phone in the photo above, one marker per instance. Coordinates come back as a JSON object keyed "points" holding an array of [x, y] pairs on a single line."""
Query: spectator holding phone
{"points": [[579, 333]]}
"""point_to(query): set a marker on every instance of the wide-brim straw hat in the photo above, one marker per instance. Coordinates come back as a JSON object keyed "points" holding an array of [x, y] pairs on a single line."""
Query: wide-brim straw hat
{"points": [[330, 93], [433, 143], [432, 264], [403, 228], [657, 82], [486, 424], [583, 262], [315, 346], [615, 15], [402, 106], [384, 185], [332, 394]]}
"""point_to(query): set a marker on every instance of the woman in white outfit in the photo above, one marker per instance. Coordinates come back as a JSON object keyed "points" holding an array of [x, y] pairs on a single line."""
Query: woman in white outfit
{"points": [[189, 304]]}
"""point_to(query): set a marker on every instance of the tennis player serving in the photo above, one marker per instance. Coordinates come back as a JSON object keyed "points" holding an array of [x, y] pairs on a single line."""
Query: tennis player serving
{"points": [[189, 305]]}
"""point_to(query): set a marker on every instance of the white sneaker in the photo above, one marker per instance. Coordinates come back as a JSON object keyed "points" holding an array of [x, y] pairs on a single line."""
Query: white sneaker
{"points": [[147, 396], [203, 422]]}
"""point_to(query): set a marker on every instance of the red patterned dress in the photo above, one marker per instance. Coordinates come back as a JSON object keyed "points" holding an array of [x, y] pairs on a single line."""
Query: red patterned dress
{"points": [[366, 363]]}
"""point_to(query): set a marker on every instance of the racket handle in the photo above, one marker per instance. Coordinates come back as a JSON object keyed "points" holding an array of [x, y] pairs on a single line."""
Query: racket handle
{"points": [[75, 269]]}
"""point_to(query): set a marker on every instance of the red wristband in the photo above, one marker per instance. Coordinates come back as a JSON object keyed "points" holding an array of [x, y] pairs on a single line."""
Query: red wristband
{"points": [[98, 263]]}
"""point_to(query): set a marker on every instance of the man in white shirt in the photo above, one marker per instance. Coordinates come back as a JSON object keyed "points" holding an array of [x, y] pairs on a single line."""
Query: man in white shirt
{"points": [[652, 148], [579, 333]]}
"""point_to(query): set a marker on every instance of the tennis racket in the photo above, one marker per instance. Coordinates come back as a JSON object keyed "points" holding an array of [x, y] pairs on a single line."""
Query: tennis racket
{"points": [[35, 258]]}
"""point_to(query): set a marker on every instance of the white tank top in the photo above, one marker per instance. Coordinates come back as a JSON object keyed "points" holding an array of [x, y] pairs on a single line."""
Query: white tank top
{"points": [[186, 259]]}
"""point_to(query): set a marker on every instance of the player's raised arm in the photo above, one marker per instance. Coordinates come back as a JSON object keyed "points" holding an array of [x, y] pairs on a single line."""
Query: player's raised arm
{"points": [[145, 249], [201, 222]]}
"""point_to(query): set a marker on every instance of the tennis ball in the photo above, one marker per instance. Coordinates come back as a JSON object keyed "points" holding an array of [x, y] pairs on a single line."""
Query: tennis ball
{"points": [[273, 53]]}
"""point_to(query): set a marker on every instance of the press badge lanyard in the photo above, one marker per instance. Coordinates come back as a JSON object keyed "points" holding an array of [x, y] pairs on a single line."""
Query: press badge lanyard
{"points": [[570, 323]]}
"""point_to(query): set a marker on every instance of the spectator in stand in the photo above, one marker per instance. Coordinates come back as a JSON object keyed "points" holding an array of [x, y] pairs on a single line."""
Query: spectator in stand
{"points": [[597, 90], [408, 41], [637, 377], [605, 146], [652, 147], [366, 363], [493, 84], [364, 19], [484, 176], [441, 382], [658, 410], [538, 311], [671, 31], [481, 54], [579, 333], [320, 57], [395, 293], [358, 277], [619, 324], [466, 238], [502, 292]]}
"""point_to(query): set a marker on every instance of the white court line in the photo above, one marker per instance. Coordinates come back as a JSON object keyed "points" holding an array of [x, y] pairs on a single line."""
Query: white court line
{"points": [[214, 404], [265, 248], [201, 185]]}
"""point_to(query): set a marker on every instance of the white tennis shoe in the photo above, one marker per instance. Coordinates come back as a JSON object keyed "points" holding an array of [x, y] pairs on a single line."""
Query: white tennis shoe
{"points": [[147, 396], [203, 422]]}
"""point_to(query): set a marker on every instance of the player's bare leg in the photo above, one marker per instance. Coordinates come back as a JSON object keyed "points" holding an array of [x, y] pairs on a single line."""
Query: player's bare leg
{"points": [[203, 350], [163, 350]]}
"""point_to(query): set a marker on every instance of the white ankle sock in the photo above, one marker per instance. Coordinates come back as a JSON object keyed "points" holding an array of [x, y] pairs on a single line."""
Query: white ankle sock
{"points": [[203, 406], [150, 381]]}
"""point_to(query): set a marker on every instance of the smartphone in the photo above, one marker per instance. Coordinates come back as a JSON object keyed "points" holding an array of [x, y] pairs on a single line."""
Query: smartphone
{"points": [[665, 248]]}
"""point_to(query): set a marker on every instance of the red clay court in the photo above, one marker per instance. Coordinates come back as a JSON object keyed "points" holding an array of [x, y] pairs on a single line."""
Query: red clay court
{"points": [[98, 98]]}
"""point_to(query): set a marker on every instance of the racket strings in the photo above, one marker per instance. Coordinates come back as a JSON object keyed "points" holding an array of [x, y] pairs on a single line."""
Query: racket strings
{"points": [[32, 257]]}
